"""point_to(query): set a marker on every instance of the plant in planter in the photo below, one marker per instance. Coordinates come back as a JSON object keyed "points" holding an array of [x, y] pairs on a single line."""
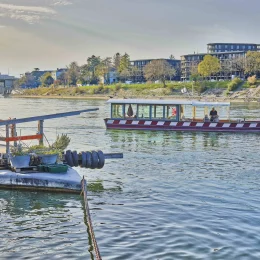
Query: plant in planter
{"points": [[19, 157], [50, 154]]}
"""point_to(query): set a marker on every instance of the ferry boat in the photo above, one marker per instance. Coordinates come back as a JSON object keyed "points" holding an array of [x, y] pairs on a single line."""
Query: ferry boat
{"points": [[175, 115]]}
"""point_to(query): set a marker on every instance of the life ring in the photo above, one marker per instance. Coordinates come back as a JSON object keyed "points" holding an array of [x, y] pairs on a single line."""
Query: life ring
{"points": [[174, 112]]}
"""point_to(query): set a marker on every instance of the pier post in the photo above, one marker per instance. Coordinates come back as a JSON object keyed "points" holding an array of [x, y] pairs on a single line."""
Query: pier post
{"points": [[7, 135], [40, 130]]}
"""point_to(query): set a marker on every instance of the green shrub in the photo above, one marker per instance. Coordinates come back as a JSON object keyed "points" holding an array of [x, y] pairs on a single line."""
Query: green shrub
{"points": [[233, 85], [118, 86]]}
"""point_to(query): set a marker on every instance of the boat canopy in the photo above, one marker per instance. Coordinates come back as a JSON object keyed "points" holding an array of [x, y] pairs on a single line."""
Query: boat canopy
{"points": [[167, 102]]}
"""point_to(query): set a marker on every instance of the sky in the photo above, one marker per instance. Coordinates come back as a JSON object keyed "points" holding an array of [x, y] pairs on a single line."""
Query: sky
{"points": [[49, 34]]}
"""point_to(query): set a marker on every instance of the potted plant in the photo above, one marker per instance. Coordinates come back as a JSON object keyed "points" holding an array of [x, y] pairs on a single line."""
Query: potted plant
{"points": [[19, 157], [50, 154]]}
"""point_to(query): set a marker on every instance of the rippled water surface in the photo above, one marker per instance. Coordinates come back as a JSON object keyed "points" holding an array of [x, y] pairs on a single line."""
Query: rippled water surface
{"points": [[173, 196]]}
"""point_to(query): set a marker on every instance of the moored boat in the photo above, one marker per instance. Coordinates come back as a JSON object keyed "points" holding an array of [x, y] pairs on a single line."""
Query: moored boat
{"points": [[38, 172], [175, 115]]}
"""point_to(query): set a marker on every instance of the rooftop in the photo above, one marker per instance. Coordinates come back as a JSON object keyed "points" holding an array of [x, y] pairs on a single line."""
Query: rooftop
{"points": [[166, 102], [154, 59], [211, 53], [232, 43]]}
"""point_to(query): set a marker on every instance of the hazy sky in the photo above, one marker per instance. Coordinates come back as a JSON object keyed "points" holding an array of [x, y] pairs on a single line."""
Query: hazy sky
{"points": [[51, 33]]}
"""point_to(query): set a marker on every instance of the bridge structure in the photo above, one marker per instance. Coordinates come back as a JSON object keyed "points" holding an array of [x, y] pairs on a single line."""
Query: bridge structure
{"points": [[6, 84]]}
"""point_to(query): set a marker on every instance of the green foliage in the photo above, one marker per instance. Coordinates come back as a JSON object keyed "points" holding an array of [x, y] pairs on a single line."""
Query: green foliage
{"points": [[61, 142], [73, 73], [118, 86], [253, 63], [19, 150], [124, 63], [233, 85], [209, 66], [46, 79]]}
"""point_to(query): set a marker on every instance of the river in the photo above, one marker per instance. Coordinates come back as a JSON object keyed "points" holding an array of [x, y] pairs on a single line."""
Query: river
{"points": [[173, 196]]}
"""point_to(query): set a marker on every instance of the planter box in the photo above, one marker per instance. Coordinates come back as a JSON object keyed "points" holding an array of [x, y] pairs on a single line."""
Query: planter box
{"points": [[20, 161], [48, 158]]}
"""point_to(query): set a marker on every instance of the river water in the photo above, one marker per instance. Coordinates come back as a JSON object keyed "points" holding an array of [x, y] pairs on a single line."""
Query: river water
{"points": [[173, 196]]}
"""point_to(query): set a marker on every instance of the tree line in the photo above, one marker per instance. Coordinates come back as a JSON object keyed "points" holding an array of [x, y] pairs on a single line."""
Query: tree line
{"points": [[97, 70], [211, 66]]}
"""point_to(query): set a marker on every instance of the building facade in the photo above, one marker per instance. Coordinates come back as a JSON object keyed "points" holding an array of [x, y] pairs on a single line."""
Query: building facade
{"points": [[230, 47], [140, 64], [56, 73], [231, 56]]}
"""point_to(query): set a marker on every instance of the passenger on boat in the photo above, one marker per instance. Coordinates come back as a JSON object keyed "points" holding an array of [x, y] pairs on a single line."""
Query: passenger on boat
{"points": [[213, 114], [206, 118]]}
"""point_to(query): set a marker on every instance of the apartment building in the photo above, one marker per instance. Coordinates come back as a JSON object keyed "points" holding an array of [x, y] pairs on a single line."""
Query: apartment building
{"points": [[140, 64], [228, 53]]}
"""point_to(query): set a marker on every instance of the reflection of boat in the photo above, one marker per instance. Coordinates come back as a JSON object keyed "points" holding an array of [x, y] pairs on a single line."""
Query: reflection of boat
{"points": [[175, 115]]}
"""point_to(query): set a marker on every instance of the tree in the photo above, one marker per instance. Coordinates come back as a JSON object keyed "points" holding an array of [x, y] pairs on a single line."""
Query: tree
{"points": [[226, 68], [116, 61], [103, 68], [125, 74], [172, 57], [135, 72], [26, 81], [209, 66], [124, 63], [46, 79], [253, 63], [239, 65], [158, 70], [252, 80], [73, 73]]}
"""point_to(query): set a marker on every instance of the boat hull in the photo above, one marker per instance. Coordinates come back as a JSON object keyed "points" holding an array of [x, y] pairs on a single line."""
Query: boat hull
{"points": [[69, 181], [164, 125]]}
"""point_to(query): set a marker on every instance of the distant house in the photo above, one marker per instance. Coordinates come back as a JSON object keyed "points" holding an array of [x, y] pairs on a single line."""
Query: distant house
{"points": [[112, 76], [6, 83]]}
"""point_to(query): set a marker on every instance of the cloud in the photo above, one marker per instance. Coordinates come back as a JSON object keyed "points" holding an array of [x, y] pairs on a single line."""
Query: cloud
{"points": [[61, 2], [29, 14]]}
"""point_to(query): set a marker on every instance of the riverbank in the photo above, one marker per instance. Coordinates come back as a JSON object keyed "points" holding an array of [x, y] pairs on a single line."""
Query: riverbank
{"points": [[211, 91]]}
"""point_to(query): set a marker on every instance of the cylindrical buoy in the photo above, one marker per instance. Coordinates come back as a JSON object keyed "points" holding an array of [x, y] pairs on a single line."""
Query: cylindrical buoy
{"points": [[83, 159], [101, 159], [68, 158], [75, 158], [89, 160], [94, 156]]}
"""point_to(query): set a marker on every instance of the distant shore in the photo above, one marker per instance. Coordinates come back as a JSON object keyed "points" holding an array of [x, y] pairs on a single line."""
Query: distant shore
{"points": [[102, 97], [214, 91]]}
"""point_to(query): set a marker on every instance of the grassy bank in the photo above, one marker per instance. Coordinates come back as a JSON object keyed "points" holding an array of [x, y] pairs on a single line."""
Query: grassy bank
{"points": [[147, 90]]}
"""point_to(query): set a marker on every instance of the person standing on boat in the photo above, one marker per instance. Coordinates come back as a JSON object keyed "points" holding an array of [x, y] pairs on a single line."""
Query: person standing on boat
{"points": [[213, 114]]}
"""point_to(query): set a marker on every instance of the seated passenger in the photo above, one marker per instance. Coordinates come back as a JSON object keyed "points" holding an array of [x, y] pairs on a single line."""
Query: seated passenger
{"points": [[206, 118], [213, 114]]}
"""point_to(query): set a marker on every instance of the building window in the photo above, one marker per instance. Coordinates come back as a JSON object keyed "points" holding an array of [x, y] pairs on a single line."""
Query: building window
{"points": [[237, 47], [226, 46], [232, 47], [249, 47]]}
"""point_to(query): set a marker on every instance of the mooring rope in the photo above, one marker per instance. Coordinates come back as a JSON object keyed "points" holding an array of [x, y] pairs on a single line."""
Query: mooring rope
{"points": [[89, 222]]}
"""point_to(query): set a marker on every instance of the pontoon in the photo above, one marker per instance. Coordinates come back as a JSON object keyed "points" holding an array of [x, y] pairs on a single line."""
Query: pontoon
{"points": [[175, 115]]}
